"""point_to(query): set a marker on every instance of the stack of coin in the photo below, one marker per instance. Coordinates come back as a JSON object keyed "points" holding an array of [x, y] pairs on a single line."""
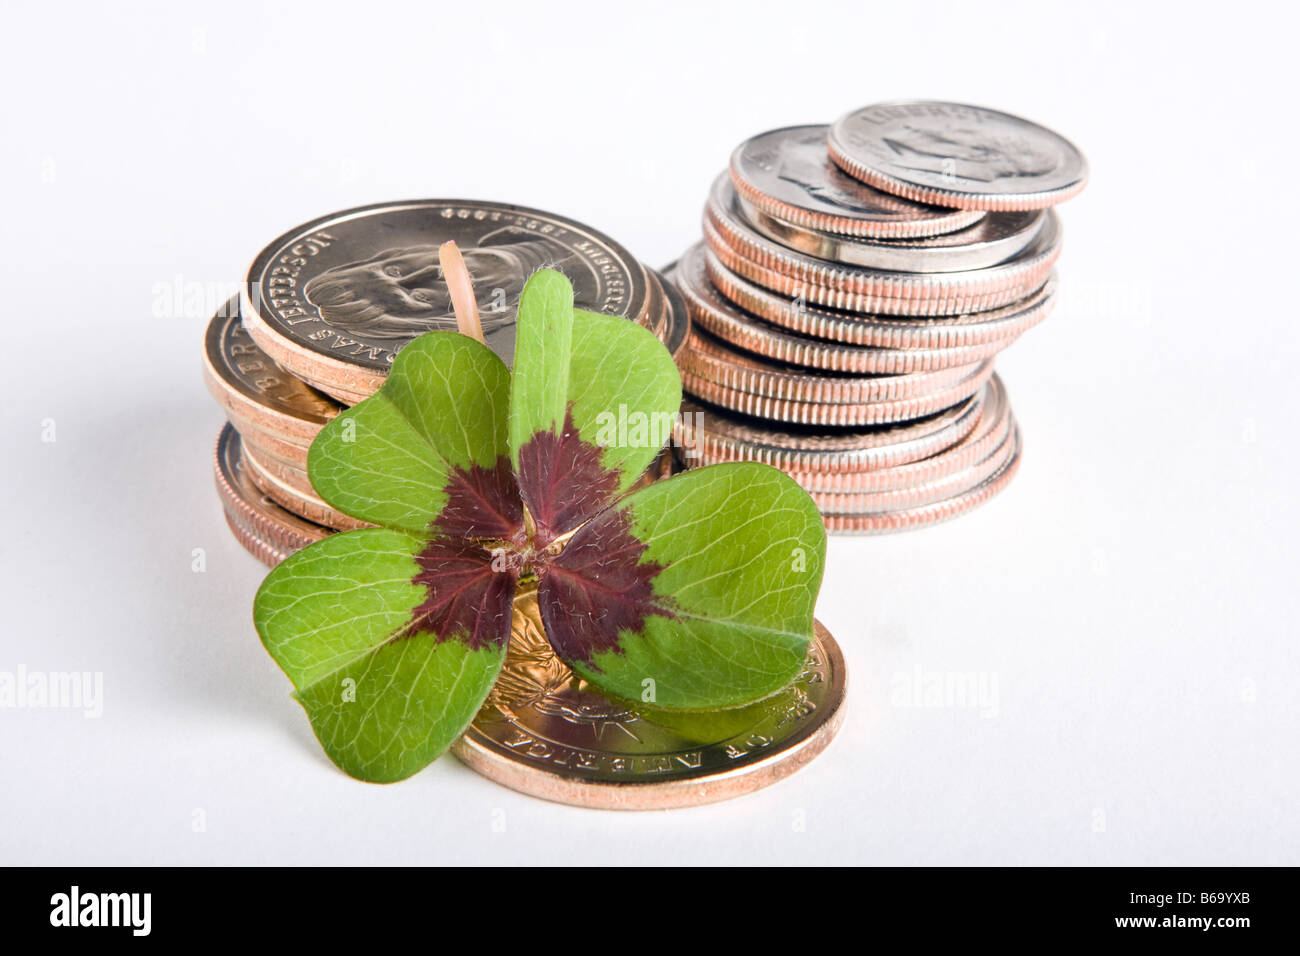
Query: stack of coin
{"points": [[853, 287], [327, 306]]}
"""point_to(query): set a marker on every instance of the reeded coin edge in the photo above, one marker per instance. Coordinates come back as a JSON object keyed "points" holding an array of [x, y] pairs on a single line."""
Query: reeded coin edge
{"points": [[1002, 324], [722, 211], [756, 335], [813, 413], [994, 425], [920, 493], [720, 363], [900, 445], [952, 302], [886, 522], [1035, 260], [952, 221], [920, 256], [264, 551]]}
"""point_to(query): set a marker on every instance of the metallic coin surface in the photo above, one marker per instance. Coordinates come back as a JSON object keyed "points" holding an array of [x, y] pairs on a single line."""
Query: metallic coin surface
{"points": [[334, 300], [248, 384], [249, 508], [990, 432], [956, 155], [924, 493], [259, 547], [269, 446], [290, 489], [548, 733], [881, 522], [677, 319], [855, 414], [712, 359], [995, 238], [720, 316], [770, 264], [709, 433], [961, 330], [788, 173]]}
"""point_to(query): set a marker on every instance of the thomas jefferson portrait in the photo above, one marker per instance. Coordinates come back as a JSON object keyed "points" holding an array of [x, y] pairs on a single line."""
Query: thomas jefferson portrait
{"points": [[399, 293]]}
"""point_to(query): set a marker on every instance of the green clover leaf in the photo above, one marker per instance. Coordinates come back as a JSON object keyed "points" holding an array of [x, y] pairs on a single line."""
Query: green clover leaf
{"points": [[693, 593]]}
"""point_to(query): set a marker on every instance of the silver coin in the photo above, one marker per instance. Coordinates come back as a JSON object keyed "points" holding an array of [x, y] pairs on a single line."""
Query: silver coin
{"points": [[852, 288], [995, 238], [343, 293], [882, 331], [713, 311], [711, 433], [956, 155], [884, 522], [714, 360], [789, 174]]}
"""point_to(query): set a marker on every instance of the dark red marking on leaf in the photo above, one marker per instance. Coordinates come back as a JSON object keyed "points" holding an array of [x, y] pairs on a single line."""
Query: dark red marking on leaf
{"points": [[596, 587], [563, 481], [481, 503], [467, 598]]}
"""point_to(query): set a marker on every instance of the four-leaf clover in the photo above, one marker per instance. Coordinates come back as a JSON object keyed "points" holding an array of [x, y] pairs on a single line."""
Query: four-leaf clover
{"points": [[701, 586]]}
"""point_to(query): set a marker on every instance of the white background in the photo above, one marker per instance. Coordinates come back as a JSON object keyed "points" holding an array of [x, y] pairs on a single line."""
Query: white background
{"points": [[1133, 593]]}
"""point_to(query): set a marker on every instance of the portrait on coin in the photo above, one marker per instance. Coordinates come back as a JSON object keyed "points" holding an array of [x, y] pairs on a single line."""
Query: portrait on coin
{"points": [[970, 154], [399, 293], [816, 177]]}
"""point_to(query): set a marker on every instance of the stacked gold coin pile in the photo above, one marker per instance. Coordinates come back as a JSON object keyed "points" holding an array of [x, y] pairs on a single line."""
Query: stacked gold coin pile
{"points": [[327, 306], [854, 284]]}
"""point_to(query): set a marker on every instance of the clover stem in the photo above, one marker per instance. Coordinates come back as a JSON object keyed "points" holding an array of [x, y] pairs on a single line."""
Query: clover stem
{"points": [[461, 288], [530, 525]]}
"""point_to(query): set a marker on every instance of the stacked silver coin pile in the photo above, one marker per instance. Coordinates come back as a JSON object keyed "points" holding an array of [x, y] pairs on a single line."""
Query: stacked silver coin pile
{"points": [[854, 284], [327, 306]]}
